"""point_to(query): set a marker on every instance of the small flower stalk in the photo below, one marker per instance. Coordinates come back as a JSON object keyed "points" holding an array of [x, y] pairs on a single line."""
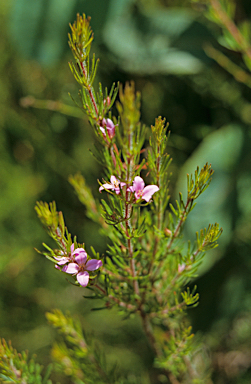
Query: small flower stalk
{"points": [[146, 269]]}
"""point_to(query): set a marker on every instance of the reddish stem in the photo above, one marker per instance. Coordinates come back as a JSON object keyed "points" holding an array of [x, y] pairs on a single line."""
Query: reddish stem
{"points": [[90, 90], [127, 222], [61, 240]]}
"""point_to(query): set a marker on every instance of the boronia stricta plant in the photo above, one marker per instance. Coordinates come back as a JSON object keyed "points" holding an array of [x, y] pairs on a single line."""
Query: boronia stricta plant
{"points": [[147, 267]]}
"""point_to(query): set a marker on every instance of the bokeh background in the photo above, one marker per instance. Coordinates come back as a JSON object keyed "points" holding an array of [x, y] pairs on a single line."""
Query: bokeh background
{"points": [[44, 137]]}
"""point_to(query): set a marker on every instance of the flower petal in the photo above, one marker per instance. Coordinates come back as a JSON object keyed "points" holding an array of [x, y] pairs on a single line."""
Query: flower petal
{"points": [[78, 251], [109, 123], [83, 278], [72, 248], [117, 190], [61, 260], [71, 268], [106, 186], [114, 181], [138, 184], [81, 258], [102, 130], [149, 191], [93, 264], [110, 127]]}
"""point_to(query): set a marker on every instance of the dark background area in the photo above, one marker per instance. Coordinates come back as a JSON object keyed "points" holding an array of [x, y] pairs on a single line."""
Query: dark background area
{"points": [[161, 46]]}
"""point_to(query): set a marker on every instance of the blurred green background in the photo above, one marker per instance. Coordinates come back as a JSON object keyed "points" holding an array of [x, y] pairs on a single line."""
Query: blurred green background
{"points": [[160, 44]]}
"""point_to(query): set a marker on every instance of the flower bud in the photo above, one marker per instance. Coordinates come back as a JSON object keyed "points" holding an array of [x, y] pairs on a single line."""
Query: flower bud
{"points": [[167, 232], [107, 101]]}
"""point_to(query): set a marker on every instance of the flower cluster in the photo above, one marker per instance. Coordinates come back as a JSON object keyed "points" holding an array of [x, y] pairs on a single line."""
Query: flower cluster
{"points": [[77, 264], [138, 188]]}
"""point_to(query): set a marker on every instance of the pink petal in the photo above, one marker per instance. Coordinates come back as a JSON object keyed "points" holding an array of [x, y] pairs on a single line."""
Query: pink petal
{"points": [[106, 186], [110, 127], [71, 268], [109, 123], [138, 195], [111, 132], [104, 122], [102, 130], [138, 184], [81, 258], [61, 260], [114, 180], [93, 264], [149, 191], [83, 278], [78, 251], [72, 248]]}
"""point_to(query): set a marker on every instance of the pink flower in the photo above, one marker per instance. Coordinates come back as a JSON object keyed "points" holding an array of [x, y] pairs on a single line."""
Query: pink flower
{"points": [[114, 185], [81, 266], [109, 126], [142, 192]]}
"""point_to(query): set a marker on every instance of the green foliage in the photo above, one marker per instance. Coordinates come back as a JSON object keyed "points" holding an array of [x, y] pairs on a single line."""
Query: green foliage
{"points": [[78, 357], [69, 328], [159, 161], [207, 239], [226, 201], [200, 182], [177, 348], [80, 39], [236, 38], [196, 185], [54, 221], [146, 267], [18, 368]]}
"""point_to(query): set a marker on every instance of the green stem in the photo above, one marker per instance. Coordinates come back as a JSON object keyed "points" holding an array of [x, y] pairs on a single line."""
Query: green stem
{"points": [[159, 213], [231, 27], [128, 208]]}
